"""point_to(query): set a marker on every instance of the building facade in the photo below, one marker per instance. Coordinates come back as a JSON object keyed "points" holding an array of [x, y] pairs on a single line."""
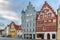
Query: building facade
{"points": [[29, 22], [4, 33], [58, 29], [46, 23], [19, 30], [13, 30], [7, 30], [1, 32]]}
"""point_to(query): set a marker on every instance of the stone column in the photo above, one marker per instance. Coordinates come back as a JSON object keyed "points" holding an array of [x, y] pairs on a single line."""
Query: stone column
{"points": [[50, 35], [23, 36], [32, 36], [45, 35]]}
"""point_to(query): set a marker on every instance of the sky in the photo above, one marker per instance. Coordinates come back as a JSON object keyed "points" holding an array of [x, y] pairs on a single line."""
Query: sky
{"points": [[10, 10]]}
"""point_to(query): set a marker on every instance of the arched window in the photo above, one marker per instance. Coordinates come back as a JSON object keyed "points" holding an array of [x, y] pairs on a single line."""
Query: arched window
{"points": [[49, 14], [33, 29], [48, 36], [41, 16]]}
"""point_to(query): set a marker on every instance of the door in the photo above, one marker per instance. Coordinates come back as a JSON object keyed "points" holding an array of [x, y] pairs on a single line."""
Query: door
{"points": [[48, 36]]}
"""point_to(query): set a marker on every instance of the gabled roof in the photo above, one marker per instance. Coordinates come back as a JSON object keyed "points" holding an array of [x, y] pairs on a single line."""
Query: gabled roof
{"points": [[17, 27], [46, 4]]}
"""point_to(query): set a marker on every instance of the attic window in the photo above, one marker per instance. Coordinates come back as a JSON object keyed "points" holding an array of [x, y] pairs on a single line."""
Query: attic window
{"points": [[49, 14], [46, 10]]}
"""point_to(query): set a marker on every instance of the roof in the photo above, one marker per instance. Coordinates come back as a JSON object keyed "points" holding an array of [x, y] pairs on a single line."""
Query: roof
{"points": [[1, 30], [17, 27]]}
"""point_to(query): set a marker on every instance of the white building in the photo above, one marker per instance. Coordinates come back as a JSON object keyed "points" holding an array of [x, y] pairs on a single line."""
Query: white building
{"points": [[29, 22]]}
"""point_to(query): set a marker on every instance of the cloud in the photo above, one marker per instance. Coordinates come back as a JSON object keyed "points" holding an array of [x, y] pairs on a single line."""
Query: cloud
{"points": [[8, 14]]}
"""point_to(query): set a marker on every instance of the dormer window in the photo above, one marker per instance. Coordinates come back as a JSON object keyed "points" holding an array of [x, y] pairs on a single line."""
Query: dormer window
{"points": [[46, 10]]}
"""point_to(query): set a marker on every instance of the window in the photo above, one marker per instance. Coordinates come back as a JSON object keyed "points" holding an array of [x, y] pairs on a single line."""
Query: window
{"points": [[53, 36], [24, 30], [54, 28], [41, 28], [27, 30], [41, 16], [59, 22], [49, 21], [30, 14], [46, 10], [41, 22], [33, 29], [27, 20], [59, 14], [30, 30], [45, 16], [30, 24], [40, 36], [52, 15], [27, 14], [54, 20], [27, 25], [49, 14], [33, 24], [45, 21]]}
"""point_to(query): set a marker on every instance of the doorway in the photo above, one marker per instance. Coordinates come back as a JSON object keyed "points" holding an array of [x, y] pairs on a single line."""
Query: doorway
{"points": [[48, 36]]}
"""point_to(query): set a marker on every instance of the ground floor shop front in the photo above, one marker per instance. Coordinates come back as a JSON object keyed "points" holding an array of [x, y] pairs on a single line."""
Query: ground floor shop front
{"points": [[45, 35], [28, 36]]}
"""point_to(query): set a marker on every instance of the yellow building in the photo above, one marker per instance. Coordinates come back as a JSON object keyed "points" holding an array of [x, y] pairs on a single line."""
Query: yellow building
{"points": [[12, 30], [58, 29]]}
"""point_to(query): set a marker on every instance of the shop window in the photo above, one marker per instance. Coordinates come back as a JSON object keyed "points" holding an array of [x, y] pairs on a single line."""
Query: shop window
{"points": [[53, 36], [40, 36]]}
